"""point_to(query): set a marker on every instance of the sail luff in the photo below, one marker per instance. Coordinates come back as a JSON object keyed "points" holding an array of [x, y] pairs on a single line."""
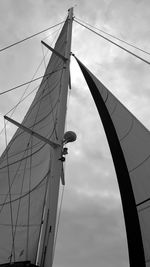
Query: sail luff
{"points": [[47, 247], [134, 238]]}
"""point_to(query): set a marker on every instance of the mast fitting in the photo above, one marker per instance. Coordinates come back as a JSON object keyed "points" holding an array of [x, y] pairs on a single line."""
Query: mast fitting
{"points": [[54, 51], [29, 131]]}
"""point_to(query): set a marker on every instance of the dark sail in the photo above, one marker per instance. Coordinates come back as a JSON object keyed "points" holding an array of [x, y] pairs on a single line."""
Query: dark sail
{"points": [[129, 142]]}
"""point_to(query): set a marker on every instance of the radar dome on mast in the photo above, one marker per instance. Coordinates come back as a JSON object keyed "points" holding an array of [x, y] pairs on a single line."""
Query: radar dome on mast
{"points": [[69, 136]]}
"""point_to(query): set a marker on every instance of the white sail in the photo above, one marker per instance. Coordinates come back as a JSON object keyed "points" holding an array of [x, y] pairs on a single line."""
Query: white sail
{"points": [[25, 166], [132, 144]]}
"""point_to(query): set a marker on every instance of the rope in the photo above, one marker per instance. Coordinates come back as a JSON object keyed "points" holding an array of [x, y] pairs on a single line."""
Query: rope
{"points": [[22, 99], [142, 59], [53, 116], [58, 221], [43, 213], [123, 41], [23, 196], [50, 95], [43, 60], [57, 109], [11, 211], [29, 199], [29, 37], [6, 196], [18, 209]]}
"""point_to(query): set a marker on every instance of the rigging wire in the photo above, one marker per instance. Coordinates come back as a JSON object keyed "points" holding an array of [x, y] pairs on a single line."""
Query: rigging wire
{"points": [[29, 37], [19, 204], [43, 213], [44, 55], [133, 54], [58, 221], [13, 109], [28, 192], [45, 38], [54, 121], [33, 80], [10, 202], [20, 101], [29, 198], [43, 60], [117, 38], [13, 180], [21, 160], [62, 195], [11, 210]]}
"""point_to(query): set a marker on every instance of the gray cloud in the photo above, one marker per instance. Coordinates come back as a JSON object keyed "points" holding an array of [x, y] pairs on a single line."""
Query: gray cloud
{"points": [[90, 231], [92, 228]]}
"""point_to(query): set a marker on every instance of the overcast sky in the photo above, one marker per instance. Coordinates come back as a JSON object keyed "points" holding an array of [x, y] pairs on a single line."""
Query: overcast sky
{"points": [[91, 231]]}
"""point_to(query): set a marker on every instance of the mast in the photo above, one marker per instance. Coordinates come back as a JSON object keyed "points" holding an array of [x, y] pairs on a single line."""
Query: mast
{"points": [[47, 246]]}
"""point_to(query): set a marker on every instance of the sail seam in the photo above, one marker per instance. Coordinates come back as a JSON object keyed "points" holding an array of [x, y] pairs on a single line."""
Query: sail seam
{"points": [[33, 126], [128, 132], [51, 102], [22, 99], [139, 164], [22, 132], [18, 209], [20, 160], [2, 204], [28, 142], [114, 109], [33, 189], [29, 200]]}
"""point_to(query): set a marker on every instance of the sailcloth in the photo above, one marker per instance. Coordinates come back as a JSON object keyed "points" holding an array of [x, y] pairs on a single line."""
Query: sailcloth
{"points": [[25, 166], [129, 142]]}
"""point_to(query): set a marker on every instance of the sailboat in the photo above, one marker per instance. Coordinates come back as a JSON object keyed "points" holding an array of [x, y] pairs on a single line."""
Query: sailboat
{"points": [[31, 166]]}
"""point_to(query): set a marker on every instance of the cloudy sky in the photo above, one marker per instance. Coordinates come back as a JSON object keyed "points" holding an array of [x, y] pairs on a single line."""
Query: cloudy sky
{"points": [[91, 231]]}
